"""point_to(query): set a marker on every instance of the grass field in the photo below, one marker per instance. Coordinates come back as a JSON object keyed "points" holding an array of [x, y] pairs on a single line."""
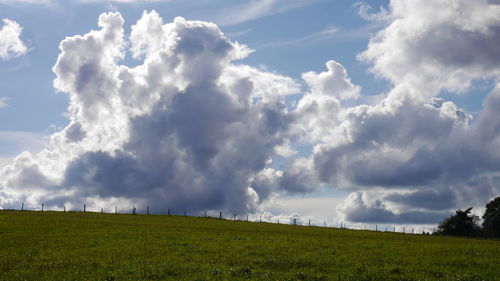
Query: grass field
{"points": [[93, 246]]}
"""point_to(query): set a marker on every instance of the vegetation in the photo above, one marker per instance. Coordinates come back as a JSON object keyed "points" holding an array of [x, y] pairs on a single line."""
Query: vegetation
{"points": [[491, 217], [463, 223], [94, 246]]}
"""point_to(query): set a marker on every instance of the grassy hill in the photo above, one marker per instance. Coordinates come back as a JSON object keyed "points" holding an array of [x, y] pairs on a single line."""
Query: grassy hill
{"points": [[93, 246]]}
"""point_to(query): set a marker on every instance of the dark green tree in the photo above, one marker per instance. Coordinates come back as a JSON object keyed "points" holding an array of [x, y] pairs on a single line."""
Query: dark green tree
{"points": [[491, 217], [463, 223]]}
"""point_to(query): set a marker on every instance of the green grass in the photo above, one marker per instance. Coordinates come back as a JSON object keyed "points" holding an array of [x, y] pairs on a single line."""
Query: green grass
{"points": [[93, 246]]}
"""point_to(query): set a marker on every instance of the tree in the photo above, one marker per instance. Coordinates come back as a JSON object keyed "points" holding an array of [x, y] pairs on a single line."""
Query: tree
{"points": [[491, 223], [463, 223]]}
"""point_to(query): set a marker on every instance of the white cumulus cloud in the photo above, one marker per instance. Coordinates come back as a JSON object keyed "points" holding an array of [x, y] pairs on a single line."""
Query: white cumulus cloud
{"points": [[187, 129], [11, 45], [431, 45], [414, 156]]}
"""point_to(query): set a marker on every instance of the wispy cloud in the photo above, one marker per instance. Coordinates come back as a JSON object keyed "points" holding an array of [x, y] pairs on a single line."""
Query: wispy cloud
{"points": [[320, 35], [123, 1], [364, 11], [255, 9], [25, 1], [3, 102], [365, 31], [238, 33], [222, 12], [15, 142], [79, 1]]}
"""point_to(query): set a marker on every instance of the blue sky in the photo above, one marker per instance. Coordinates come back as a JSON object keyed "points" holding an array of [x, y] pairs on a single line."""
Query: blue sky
{"points": [[368, 138]]}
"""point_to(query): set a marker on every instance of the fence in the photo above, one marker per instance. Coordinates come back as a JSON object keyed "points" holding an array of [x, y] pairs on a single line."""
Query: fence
{"points": [[234, 217]]}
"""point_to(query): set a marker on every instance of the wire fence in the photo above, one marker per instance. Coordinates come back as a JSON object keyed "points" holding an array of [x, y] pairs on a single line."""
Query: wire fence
{"points": [[290, 220]]}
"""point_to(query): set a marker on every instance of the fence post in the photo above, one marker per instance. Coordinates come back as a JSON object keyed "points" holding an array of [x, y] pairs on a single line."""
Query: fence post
{"points": [[147, 211], [42, 207], [22, 206], [309, 222], [220, 215], [84, 208]]}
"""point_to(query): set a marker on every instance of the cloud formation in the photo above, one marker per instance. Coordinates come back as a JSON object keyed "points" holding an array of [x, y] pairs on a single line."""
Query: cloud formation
{"points": [[364, 11], [413, 155], [24, 1], [11, 45], [123, 1], [254, 9], [3, 102], [316, 36], [191, 128], [79, 1], [187, 129], [432, 45]]}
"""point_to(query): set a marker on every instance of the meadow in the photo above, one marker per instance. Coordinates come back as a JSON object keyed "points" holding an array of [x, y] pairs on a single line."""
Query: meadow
{"points": [[95, 246]]}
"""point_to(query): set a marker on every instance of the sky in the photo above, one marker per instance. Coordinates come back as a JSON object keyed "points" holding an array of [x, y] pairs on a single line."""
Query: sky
{"points": [[366, 113]]}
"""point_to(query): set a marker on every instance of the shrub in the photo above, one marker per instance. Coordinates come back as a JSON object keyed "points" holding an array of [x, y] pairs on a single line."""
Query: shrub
{"points": [[463, 223]]}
